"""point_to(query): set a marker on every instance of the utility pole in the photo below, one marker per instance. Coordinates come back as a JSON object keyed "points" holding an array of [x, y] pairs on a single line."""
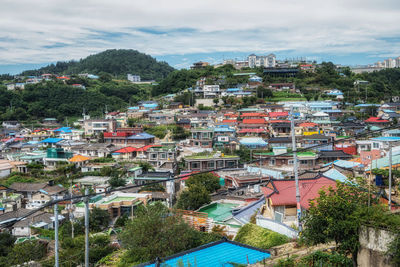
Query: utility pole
{"points": [[86, 228], [390, 175], [56, 234], [70, 212], [296, 174]]}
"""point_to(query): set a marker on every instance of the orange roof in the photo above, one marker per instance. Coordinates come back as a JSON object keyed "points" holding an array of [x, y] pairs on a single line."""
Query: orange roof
{"points": [[78, 158], [308, 124], [254, 121], [255, 114]]}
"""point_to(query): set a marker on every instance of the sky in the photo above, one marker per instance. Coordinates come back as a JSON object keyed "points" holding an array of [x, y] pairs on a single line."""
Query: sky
{"points": [[350, 32]]}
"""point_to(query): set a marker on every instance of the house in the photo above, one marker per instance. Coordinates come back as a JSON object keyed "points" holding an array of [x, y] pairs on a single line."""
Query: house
{"points": [[94, 150], [94, 127], [129, 139], [11, 124], [325, 156], [376, 121], [253, 124], [253, 115], [211, 91], [46, 194], [323, 142], [130, 153], [279, 128], [280, 142], [162, 118], [202, 137], [9, 200], [162, 157], [281, 160], [184, 123], [151, 176], [263, 133], [176, 105], [39, 219], [253, 142], [209, 162], [118, 203], [280, 197], [50, 142], [55, 156]]}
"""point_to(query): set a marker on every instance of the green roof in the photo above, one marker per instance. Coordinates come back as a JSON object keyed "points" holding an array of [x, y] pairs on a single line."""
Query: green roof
{"points": [[219, 212], [118, 199], [211, 157]]}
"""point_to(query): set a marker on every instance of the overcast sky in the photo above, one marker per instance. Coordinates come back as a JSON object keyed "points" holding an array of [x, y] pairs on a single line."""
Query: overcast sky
{"points": [[36, 32]]}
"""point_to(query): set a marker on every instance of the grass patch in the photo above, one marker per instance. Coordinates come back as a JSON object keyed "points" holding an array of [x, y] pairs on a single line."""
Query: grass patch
{"points": [[259, 237]]}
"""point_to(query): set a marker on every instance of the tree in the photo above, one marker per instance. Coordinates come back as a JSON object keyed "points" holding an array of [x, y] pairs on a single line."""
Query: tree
{"points": [[145, 166], [216, 101], [6, 243], [209, 180], [336, 215], [156, 232], [193, 198], [179, 133], [117, 181], [27, 251], [98, 219]]}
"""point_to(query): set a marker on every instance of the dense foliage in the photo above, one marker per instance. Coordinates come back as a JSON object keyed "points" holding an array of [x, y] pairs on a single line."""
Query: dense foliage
{"points": [[55, 99], [257, 236], [117, 62], [156, 232]]}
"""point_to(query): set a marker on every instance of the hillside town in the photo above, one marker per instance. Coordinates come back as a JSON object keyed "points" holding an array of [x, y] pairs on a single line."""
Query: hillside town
{"points": [[222, 157]]}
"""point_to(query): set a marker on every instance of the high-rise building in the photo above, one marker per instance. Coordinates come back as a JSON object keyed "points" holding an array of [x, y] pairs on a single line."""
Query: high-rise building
{"points": [[268, 61]]}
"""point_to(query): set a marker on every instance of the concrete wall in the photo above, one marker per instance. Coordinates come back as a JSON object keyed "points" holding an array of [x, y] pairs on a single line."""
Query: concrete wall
{"points": [[373, 245], [276, 227]]}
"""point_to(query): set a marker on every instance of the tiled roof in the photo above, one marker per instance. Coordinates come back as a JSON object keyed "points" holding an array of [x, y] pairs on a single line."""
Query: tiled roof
{"points": [[254, 114], [79, 158], [252, 131], [285, 193], [254, 121], [308, 124], [375, 119], [278, 114]]}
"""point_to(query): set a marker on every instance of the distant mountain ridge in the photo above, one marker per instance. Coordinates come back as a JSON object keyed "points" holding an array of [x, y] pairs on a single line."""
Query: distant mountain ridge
{"points": [[117, 62]]}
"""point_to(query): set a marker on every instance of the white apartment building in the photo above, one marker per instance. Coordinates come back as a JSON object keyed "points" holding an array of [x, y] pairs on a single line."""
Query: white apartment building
{"points": [[211, 91], [268, 61], [133, 78]]}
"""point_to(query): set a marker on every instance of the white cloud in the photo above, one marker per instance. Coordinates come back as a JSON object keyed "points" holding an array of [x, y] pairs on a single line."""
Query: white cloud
{"points": [[44, 31]]}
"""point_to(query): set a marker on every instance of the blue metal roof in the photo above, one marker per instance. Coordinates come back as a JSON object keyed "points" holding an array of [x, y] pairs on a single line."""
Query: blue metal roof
{"points": [[51, 140], [63, 129], [233, 89], [143, 135], [253, 141], [387, 139], [219, 253], [335, 175], [223, 129]]}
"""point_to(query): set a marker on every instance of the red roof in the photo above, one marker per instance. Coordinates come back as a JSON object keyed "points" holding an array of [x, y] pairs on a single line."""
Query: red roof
{"points": [[118, 134], [278, 114], [308, 124], [276, 121], [130, 149], [254, 121], [252, 131], [286, 191], [229, 120], [255, 114], [375, 119], [230, 115]]}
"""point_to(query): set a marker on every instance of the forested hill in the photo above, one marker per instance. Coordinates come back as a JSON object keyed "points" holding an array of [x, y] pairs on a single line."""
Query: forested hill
{"points": [[117, 62]]}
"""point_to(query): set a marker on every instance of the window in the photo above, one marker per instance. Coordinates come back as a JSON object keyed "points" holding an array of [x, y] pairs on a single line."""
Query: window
{"points": [[195, 165], [220, 163], [290, 162], [375, 145], [163, 155], [230, 164], [153, 156], [211, 164], [272, 162], [304, 162]]}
